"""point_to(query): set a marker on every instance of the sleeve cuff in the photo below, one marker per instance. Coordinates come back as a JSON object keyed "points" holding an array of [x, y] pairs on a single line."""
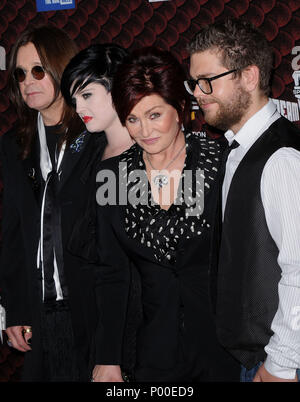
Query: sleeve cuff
{"points": [[278, 371]]}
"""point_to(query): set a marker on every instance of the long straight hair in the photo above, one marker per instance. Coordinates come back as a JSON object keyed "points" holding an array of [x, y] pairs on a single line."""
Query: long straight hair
{"points": [[55, 49]]}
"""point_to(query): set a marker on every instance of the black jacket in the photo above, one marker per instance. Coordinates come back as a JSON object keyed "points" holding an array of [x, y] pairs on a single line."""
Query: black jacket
{"points": [[20, 234]]}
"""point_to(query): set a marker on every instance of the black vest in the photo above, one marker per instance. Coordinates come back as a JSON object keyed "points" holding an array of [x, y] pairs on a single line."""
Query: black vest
{"points": [[248, 273]]}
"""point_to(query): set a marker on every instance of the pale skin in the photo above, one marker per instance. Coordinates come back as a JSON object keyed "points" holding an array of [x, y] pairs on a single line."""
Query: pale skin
{"points": [[38, 95], [89, 101], [152, 118], [207, 64]]}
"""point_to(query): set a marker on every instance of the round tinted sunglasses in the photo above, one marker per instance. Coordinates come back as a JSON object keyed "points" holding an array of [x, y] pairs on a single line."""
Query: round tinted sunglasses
{"points": [[37, 72]]}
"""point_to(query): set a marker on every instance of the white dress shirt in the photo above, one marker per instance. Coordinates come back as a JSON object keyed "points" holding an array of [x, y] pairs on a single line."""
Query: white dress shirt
{"points": [[46, 168], [280, 193]]}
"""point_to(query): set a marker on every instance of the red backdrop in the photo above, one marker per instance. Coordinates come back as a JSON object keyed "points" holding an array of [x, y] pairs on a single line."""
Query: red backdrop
{"points": [[167, 24]]}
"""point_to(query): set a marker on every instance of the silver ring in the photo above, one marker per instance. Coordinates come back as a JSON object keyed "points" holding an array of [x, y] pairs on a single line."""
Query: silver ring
{"points": [[9, 343]]}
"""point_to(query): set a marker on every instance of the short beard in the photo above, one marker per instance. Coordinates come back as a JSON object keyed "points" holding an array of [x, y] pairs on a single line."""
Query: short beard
{"points": [[231, 112]]}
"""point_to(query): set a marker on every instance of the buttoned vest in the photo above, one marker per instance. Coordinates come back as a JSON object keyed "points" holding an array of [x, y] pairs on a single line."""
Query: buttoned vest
{"points": [[248, 271]]}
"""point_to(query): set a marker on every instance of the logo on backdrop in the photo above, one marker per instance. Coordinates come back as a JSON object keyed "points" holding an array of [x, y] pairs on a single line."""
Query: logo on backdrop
{"points": [[296, 73], [296, 78], [50, 5]]}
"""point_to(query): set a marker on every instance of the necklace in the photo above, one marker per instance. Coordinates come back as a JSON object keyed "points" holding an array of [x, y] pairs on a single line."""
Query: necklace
{"points": [[160, 179]]}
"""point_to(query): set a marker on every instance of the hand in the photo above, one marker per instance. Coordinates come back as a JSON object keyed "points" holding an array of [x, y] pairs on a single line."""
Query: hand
{"points": [[104, 373], [19, 337], [263, 375]]}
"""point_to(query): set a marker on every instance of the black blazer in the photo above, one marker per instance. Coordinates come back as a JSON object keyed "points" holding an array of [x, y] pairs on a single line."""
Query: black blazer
{"points": [[171, 304], [21, 231]]}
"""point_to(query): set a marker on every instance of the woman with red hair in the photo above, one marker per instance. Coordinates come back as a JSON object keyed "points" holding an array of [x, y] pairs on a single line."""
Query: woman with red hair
{"points": [[156, 225]]}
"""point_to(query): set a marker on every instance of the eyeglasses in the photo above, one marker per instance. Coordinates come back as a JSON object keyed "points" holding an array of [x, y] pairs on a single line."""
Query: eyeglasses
{"points": [[37, 72], [204, 83]]}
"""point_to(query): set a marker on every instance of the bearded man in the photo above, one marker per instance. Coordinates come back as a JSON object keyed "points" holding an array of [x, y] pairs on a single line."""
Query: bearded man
{"points": [[257, 290]]}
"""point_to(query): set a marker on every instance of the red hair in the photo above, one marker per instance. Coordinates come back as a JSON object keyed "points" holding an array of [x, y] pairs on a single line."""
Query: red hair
{"points": [[148, 71]]}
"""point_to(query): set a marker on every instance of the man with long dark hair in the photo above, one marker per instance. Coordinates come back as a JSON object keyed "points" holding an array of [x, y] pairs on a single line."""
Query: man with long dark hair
{"points": [[47, 162]]}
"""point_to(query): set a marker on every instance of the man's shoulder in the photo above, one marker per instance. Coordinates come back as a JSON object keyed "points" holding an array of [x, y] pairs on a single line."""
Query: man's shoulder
{"points": [[283, 123]]}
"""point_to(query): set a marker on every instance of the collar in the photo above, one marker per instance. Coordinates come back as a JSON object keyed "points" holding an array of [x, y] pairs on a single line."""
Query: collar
{"points": [[45, 160], [255, 126]]}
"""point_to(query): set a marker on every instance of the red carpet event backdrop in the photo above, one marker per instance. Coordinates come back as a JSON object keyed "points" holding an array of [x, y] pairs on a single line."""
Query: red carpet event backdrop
{"points": [[168, 24]]}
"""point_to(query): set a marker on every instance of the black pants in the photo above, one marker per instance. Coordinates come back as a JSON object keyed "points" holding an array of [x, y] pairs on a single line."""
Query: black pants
{"points": [[57, 341], [195, 365]]}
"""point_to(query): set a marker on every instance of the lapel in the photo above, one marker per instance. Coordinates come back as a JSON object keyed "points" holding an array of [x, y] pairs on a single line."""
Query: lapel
{"points": [[32, 171], [72, 155]]}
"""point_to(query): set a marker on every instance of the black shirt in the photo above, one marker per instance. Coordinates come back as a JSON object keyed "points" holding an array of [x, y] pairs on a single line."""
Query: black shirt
{"points": [[52, 138]]}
